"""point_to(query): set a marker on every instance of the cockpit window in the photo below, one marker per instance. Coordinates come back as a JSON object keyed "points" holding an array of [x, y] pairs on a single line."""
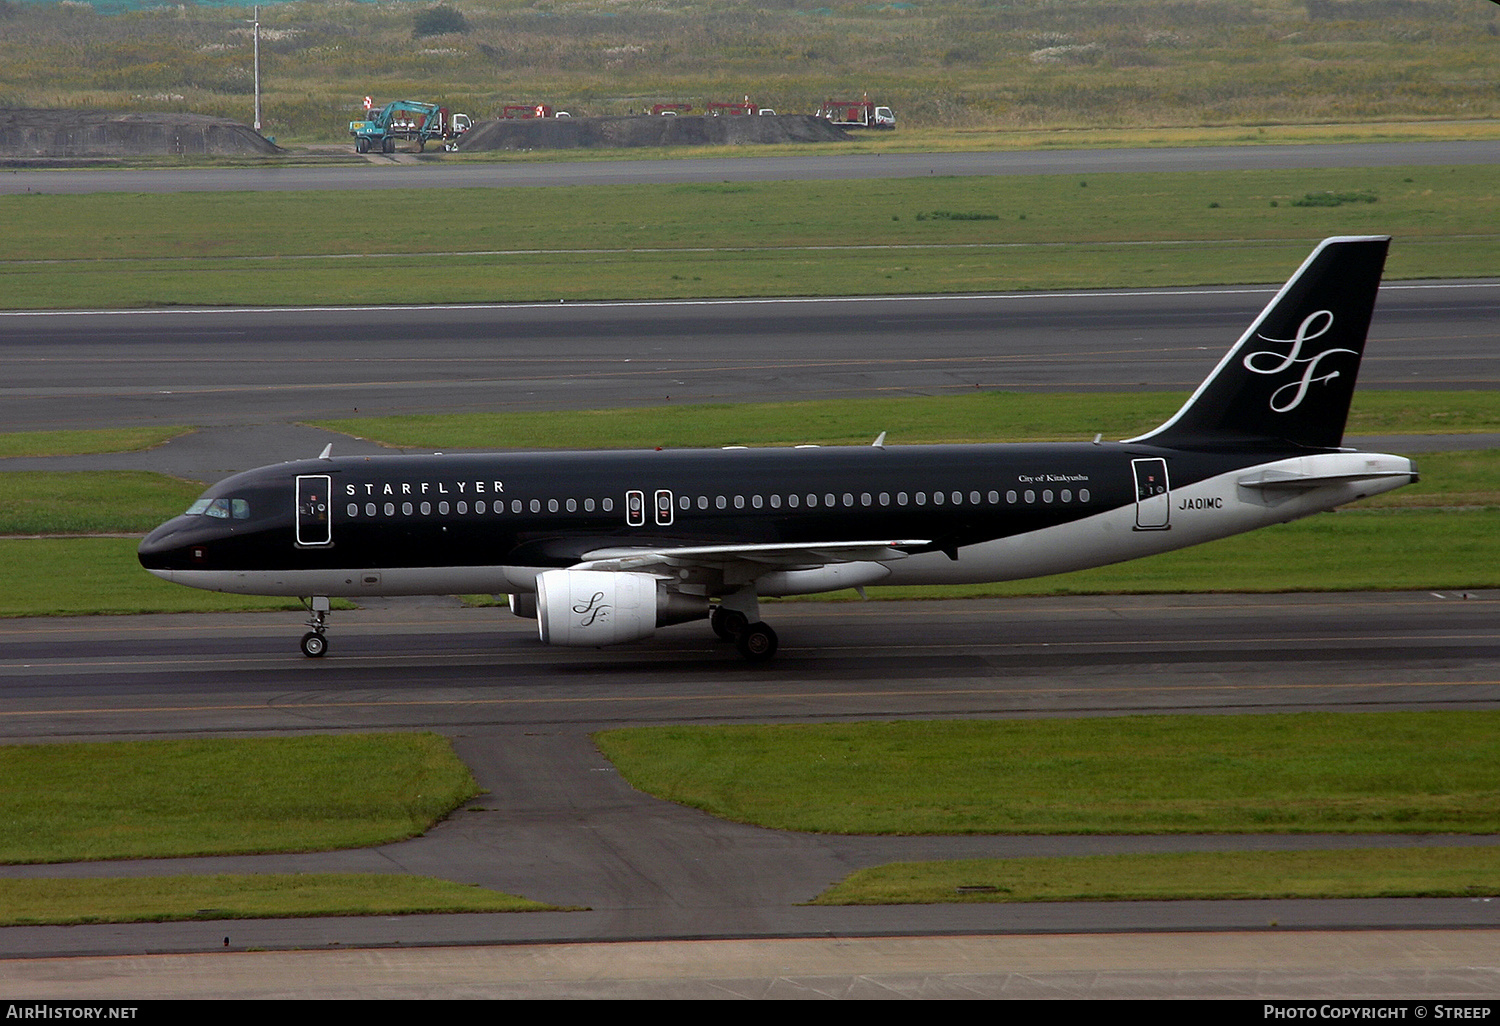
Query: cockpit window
{"points": [[221, 509]]}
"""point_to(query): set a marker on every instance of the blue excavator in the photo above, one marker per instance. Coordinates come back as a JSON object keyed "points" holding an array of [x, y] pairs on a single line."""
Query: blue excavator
{"points": [[410, 120]]}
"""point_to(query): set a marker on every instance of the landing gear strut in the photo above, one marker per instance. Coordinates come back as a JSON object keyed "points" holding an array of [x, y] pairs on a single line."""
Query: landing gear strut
{"points": [[737, 618], [314, 644]]}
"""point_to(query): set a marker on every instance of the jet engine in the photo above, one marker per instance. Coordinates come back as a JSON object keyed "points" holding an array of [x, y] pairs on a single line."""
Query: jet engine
{"points": [[588, 608]]}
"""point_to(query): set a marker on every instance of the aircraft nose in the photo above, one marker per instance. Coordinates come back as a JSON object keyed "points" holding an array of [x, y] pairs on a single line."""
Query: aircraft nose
{"points": [[163, 550]]}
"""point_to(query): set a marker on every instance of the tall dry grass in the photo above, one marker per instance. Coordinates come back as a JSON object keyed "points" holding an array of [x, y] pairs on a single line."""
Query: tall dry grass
{"points": [[989, 63]]}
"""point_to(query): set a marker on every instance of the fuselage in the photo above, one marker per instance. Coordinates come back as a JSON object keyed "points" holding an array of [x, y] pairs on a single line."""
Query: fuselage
{"points": [[490, 522]]}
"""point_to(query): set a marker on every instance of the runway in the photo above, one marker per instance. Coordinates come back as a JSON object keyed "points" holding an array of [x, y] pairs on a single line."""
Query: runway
{"points": [[244, 368], [807, 166]]}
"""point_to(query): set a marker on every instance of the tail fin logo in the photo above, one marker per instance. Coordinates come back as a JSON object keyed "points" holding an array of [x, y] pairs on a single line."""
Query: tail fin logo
{"points": [[1289, 396]]}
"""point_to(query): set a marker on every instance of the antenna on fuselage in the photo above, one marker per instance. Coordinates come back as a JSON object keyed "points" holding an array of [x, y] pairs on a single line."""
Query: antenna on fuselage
{"points": [[327, 452], [879, 442]]}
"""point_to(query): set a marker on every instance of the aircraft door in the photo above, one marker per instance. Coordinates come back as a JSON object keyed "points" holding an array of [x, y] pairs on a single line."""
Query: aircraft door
{"points": [[314, 510], [1153, 499], [663, 508]]}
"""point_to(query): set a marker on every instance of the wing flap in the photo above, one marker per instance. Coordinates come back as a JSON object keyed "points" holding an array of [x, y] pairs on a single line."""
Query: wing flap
{"points": [[771, 556]]}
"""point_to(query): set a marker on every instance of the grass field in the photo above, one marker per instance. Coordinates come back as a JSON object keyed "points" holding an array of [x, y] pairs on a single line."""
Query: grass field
{"points": [[81, 443], [980, 416], [743, 239], [1202, 876], [162, 799], [127, 501], [1404, 772], [163, 899], [1019, 66]]}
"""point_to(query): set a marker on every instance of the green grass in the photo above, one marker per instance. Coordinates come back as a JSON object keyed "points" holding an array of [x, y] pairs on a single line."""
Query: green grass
{"points": [[85, 576], [975, 416], [1352, 550], [1406, 772], [83, 443], [90, 502], [161, 899], [159, 799], [648, 241], [1357, 873]]}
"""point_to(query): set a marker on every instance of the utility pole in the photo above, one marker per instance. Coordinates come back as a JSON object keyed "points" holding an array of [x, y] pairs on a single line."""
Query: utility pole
{"points": [[257, 67]]}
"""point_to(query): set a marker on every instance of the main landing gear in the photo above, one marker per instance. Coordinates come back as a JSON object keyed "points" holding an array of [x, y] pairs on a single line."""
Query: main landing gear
{"points": [[314, 643], [737, 618]]}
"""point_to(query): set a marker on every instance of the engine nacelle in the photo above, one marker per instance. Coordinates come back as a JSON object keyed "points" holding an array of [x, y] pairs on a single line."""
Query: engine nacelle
{"points": [[590, 608]]}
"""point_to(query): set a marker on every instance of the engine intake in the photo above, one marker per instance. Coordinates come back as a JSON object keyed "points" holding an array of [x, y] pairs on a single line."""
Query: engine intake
{"points": [[589, 608]]}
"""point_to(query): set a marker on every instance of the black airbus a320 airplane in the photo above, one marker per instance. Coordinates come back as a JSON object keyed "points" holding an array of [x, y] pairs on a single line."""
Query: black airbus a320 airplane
{"points": [[605, 547]]}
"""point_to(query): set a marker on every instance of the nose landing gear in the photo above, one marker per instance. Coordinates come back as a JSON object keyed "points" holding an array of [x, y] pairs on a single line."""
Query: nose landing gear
{"points": [[314, 643]]}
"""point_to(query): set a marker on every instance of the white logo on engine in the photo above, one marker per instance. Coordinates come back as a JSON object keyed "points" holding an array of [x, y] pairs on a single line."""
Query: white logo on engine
{"points": [[1314, 325]]}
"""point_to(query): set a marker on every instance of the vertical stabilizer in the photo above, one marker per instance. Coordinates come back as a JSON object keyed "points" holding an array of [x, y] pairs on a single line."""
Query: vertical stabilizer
{"points": [[1290, 377]]}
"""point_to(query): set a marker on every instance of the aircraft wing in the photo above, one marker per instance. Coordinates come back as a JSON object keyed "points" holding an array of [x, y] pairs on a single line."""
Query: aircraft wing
{"points": [[760, 558]]}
